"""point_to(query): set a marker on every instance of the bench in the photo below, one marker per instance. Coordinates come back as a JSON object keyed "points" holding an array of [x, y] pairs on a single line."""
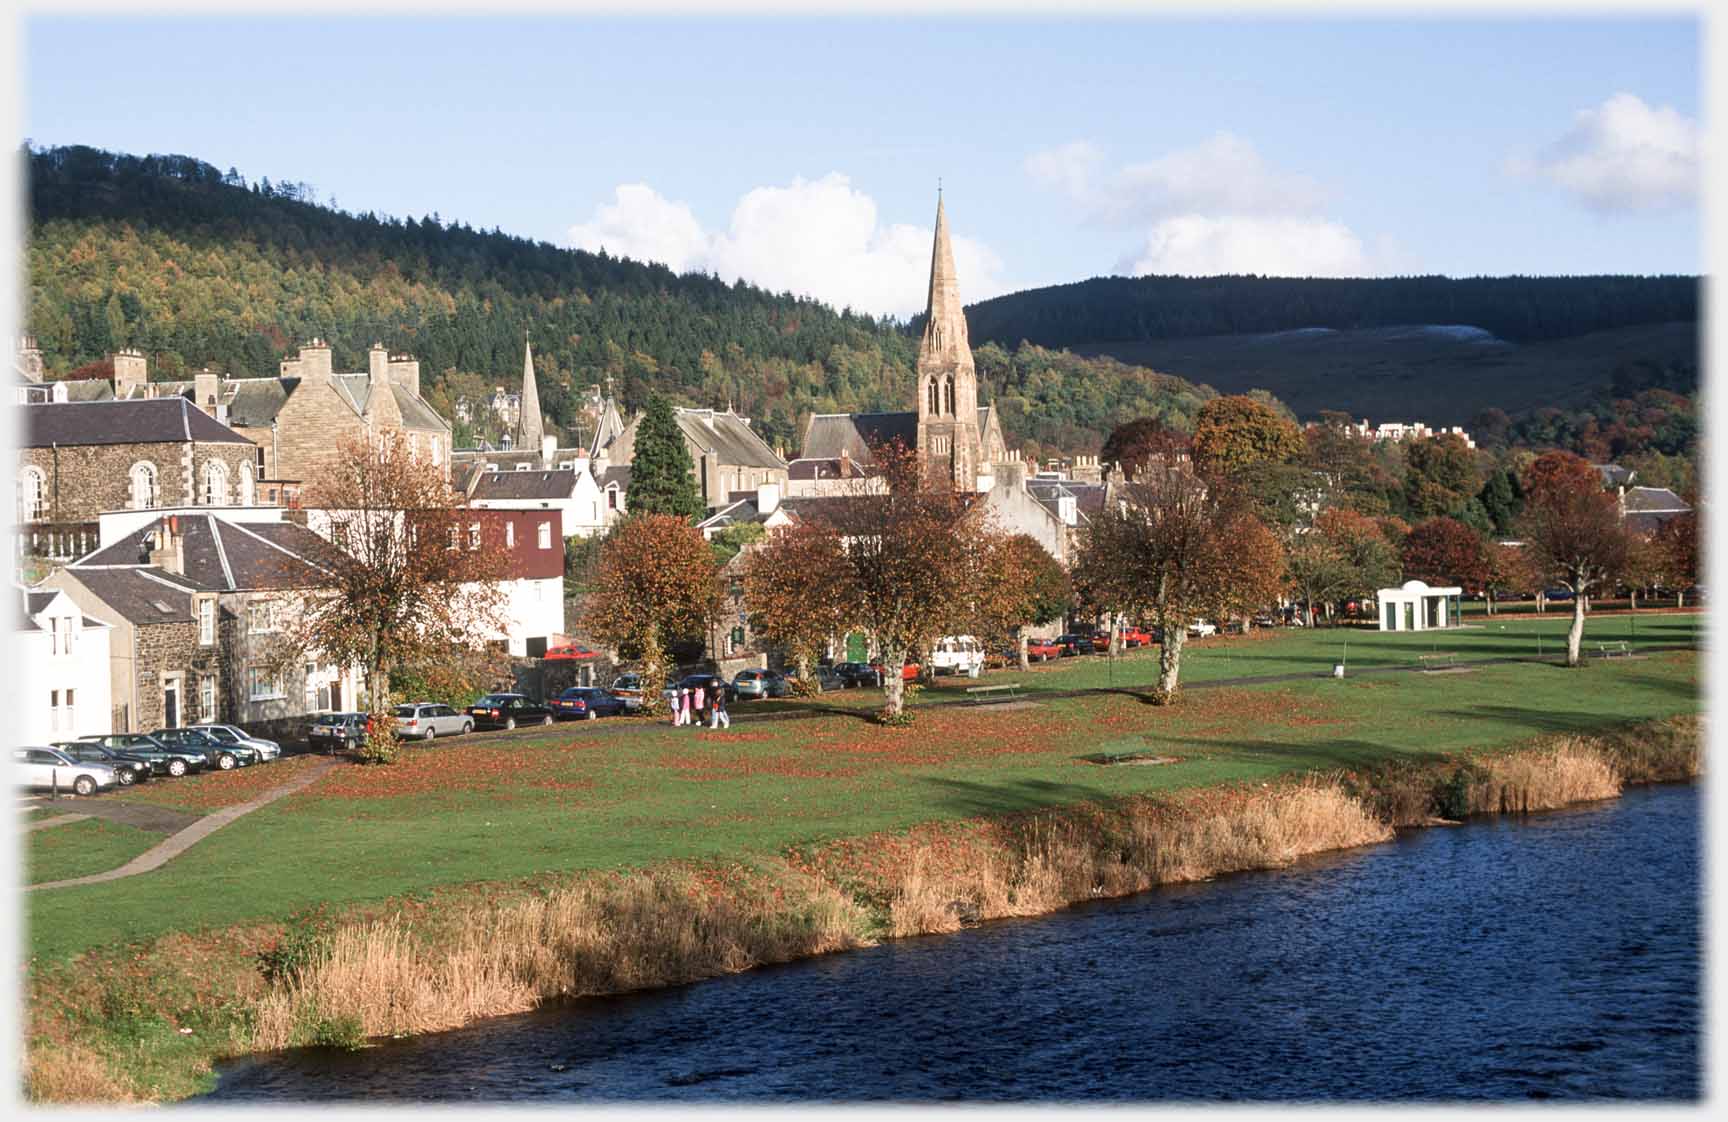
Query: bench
{"points": [[980, 694], [1609, 650], [1438, 661]]}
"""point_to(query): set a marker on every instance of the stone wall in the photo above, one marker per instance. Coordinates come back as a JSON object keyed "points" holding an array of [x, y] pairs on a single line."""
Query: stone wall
{"points": [[84, 480], [164, 649]]}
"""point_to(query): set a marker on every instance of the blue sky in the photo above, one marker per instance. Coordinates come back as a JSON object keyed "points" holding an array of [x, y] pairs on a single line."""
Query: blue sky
{"points": [[804, 153]]}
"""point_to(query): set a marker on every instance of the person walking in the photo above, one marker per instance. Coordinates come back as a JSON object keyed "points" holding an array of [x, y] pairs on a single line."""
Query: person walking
{"points": [[699, 696], [717, 717], [677, 706]]}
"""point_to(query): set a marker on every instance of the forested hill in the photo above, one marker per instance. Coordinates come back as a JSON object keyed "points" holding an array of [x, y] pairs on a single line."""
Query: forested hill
{"points": [[1516, 309], [200, 267]]}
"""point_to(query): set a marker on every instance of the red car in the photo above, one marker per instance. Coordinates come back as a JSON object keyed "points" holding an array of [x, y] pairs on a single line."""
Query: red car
{"points": [[1042, 649], [908, 673], [1136, 637]]}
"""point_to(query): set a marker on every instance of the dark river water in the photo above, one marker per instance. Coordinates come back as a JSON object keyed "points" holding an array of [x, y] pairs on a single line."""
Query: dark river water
{"points": [[1554, 957]]}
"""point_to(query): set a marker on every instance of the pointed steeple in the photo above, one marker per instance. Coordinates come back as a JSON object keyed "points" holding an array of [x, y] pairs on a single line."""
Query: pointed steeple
{"points": [[945, 330], [529, 427]]}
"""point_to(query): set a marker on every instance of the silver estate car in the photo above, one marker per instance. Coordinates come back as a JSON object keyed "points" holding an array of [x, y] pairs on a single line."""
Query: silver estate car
{"points": [[47, 768], [427, 720], [232, 734]]}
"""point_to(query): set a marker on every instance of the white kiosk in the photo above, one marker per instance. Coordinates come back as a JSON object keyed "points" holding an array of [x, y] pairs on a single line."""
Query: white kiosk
{"points": [[1414, 606]]}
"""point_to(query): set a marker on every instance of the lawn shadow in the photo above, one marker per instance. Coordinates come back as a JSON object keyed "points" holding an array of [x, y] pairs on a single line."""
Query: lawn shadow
{"points": [[973, 799]]}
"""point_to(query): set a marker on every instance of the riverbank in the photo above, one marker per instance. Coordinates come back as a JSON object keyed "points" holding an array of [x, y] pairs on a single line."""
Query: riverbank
{"points": [[145, 1021]]}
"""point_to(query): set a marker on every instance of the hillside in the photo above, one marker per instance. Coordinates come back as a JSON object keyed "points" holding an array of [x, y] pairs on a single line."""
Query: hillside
{"points": [[200, 267]]}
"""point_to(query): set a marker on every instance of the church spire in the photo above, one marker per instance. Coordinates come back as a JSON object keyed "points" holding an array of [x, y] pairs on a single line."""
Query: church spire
{"points": [[945, 331], [529, 427]]}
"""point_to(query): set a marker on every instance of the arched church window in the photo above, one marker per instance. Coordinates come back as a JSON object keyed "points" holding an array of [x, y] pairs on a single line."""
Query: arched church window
{"points": [[935, 401], [215, 483], [143, 478], [31, 504], [247, 491], [950, 394]]}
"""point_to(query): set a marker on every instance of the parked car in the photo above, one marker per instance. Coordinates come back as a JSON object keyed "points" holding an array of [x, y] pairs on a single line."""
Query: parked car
{"points": [[908, 672], [957, 654], [230, 734], [1136, 637], [128, 769], [1557, 594], [708, 682], [331, 731], [760, 683], [507, 710], [1201, 629], [1265, 619], [428, 720], [1074, 643], [224, 757], [48, 768], [165, 759], [855, 674], [824, 678], [1042, 650], [628, 688], [588, 703]]}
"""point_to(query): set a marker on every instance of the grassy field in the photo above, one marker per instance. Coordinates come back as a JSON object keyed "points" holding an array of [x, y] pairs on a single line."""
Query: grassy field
{"points": [[78, 849], [616, 794]]}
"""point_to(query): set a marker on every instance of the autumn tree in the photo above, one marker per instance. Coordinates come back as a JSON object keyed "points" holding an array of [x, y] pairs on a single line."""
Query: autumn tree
{"points": [[1439, 475], [1165, 554], [1511, 571], [908, 548], [1573, 530], [655, 583], [1015, 583], [410, 584], [1133, 444], [1678, 539], [1345, 554], [1250, 573], [1237, 431], [1444, 551], [798, 590], [662, 475]]}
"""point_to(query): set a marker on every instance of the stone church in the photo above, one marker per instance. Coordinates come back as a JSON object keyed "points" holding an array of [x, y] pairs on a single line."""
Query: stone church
{"points": [[954, 435]]}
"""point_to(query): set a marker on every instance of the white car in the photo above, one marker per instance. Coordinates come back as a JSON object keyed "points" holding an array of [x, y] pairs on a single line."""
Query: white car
{"points": [[49, 768], [229, 734], [957, 654], [1200, 629], [429, 720]]}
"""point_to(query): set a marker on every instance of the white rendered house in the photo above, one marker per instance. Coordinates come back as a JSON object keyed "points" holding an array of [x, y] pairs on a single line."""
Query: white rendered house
{"points": [[62, 667]]}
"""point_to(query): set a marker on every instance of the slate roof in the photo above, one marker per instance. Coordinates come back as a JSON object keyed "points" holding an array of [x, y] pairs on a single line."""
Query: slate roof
{"points": [[555, 484], [254, 402], [829, 435], [141, 595], [619, 475], [88, 389], [1644, 500], [727, 436], [158, 420], [1613, 475], [225, 556]]}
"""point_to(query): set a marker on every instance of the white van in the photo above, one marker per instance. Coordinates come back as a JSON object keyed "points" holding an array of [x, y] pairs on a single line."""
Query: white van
{"points": [[957, 654]]}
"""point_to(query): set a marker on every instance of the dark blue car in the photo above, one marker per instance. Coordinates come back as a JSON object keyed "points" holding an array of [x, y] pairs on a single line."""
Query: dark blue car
{"points": [[586, 702]]}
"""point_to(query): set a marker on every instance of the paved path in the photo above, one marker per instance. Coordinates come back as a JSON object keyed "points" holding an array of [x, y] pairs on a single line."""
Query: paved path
{"points": [[145, 816], [178, 843]]}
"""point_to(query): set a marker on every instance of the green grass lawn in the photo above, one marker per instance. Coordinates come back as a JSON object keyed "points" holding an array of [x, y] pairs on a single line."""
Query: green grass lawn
{"points": [[595, 795], [78, 849]]}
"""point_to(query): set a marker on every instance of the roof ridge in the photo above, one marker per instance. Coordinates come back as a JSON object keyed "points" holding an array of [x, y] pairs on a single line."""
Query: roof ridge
{"points": [[162, 578], [280, 548], [221, 553]]}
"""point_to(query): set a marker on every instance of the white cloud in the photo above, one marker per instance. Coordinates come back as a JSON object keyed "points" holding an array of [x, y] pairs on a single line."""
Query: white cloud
{"points": [[820, 238], [1217, 207], [1223, 174], [1198, 245], [1623, 155]]}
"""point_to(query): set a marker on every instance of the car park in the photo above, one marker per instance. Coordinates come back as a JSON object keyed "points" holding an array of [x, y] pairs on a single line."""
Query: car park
{"points": [[231, 734], [760, 683], [628, 689], [128, 769], [507, 710], [588, 703], [428, 720], [855, 674], [165, 759], [224, 757], [333, 731], [51, 769]]}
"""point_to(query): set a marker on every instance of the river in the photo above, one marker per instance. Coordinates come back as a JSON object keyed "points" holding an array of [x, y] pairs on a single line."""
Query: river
{"points": [[1550, 957]]}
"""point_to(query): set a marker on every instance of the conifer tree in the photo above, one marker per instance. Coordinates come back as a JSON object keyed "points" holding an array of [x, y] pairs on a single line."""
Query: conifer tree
{"points": [[662, 476]]}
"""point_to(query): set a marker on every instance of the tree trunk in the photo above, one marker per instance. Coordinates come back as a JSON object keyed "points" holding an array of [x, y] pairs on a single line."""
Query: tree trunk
{"points": [[1490, 596], [1541, 601], [1115, 634], [893, 684], [1025, 661], [1308, 611], [1170, 661], [1680, 598], [1575, 634], [653, 673], [1634, 599]]}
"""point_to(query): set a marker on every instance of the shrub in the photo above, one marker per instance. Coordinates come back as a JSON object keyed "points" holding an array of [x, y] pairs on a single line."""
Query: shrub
{"points": [[382, 745]]}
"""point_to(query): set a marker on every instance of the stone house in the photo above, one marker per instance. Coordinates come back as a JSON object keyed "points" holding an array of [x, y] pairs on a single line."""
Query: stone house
{"points": [[78, 459], [726, 455], [62, 670], [198, 603]]}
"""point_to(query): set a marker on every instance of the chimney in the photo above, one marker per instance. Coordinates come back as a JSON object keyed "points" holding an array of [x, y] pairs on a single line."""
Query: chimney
{"points": [[167, 552], [405, 372], [30, 358], [313, 365], [548, 450], [131, 373], [378, 363], [767, 497], [207, 390]]}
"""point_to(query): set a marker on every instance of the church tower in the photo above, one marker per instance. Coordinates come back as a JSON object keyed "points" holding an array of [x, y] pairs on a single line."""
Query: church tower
{"points": [[948, 439], [529, 427]]}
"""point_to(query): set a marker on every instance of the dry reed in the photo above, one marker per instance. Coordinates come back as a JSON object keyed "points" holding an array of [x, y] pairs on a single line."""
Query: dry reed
{"points": [[1570, 771], [70, 1073]]}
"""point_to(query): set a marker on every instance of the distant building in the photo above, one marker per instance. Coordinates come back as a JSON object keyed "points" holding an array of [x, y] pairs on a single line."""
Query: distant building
{"points": [[1399, 431]]}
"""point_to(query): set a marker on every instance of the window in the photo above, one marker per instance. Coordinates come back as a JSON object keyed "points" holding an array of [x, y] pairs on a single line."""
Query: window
{"points": [[263, 616], [950, 395], [413, 448], [54, 710], [53, 634], [31, 505], [207, 698], [144, 496], [545, 535], [263, 684], [473, 535], [215, 483], [611, 498], [206, 622], [510, 535], [935, 401], [248, 492], [455, 537], [437, 455]]}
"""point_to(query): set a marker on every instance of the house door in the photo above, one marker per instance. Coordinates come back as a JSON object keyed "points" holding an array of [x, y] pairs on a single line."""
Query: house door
{"points": [[171, 703]]}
